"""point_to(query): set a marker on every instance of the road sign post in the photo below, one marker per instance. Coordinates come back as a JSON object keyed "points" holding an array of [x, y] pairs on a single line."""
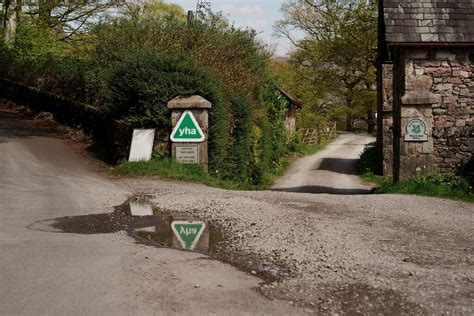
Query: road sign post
{"points": [[190, 123]]}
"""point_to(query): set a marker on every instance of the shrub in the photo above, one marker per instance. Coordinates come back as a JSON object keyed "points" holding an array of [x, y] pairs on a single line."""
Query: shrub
{"points": [[142, 84], [239, 151], [368, 162]]}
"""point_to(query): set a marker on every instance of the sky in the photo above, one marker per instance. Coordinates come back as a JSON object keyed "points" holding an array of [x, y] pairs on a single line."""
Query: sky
{"points": [[260, 15]]}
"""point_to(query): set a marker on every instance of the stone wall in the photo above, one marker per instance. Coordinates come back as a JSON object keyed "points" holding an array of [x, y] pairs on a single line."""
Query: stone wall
{"points": [[387, 118], [440, 89]]}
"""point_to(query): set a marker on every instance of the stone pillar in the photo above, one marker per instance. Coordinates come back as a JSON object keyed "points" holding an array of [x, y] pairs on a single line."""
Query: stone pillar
{"points": [[416, 155], [191, 152]]}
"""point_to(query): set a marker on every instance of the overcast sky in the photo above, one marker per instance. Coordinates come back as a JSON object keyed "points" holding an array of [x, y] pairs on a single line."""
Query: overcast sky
{"points": [[259, 15]]}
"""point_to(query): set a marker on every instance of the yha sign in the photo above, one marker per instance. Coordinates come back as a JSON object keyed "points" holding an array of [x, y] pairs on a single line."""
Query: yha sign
{"points": [[187, 130]]}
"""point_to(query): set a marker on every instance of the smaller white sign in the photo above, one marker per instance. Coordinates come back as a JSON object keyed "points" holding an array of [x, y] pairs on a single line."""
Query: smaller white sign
{"points": [[142, 145], [416, 131]]}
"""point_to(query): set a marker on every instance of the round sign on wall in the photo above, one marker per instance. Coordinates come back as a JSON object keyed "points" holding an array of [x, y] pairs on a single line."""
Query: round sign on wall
{"points": [[416, 131]]}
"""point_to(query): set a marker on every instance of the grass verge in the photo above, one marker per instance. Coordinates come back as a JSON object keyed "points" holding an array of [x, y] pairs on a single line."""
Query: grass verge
{"points": [[173, 170], [433, 184]]}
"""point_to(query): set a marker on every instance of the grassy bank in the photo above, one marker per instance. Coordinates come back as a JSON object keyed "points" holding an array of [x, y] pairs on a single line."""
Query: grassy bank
{"points": [[448, 186], [173, 170]]}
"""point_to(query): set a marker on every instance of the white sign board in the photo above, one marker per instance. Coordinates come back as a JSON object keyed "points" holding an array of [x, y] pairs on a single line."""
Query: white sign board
{"points": [[142, 145], [416, 131], [187, 154]]}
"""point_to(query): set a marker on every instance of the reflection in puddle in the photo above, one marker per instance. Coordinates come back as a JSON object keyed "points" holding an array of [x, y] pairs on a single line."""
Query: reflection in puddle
{"points": [[140, 208], [183, 233], [149, 225]]}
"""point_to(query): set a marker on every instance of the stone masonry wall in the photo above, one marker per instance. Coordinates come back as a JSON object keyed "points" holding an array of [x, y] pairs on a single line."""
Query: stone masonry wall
{"points": [[445, 79], [387, 118]]}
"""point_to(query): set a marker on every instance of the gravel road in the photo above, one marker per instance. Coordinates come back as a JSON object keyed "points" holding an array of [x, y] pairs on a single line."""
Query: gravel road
{"points": [[331, 170], [339, 254], [369, 254]]}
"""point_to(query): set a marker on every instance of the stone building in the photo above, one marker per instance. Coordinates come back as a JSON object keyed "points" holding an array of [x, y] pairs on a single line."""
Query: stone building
{"points": [[426, 86]]}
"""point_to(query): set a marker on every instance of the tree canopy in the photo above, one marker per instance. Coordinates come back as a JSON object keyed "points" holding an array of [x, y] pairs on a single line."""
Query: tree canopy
{"points": [[333, 66]]}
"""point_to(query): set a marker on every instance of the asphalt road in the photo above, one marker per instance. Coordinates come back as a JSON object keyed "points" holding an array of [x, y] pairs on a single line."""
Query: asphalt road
{"points": [[53, 273], [331, 170]]}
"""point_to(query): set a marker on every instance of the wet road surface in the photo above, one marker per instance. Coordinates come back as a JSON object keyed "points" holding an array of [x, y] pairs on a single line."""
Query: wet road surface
{"points": [[55, 273]]}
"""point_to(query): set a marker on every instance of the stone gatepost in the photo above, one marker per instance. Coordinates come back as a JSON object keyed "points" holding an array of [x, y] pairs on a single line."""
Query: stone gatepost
{"points": [[190, 124], [416, 143]]}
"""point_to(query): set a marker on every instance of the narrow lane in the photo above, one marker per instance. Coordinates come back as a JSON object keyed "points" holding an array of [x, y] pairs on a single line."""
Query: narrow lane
{"points": [[331, 170]]}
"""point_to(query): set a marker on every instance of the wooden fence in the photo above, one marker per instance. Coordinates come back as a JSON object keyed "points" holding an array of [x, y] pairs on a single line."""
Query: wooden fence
{"points": [[316, 135]]}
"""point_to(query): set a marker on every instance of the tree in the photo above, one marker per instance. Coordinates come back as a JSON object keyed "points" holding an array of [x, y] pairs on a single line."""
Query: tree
{"points": [[69, 17], [336, 57], [11, 14]]}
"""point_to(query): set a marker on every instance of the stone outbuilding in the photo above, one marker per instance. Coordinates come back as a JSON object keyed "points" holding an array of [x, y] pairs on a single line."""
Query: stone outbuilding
{"points": [[426, 86]]}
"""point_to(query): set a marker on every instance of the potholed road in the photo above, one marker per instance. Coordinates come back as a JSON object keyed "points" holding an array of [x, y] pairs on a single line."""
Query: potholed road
{"points": [[48, 273], [346, 254]]}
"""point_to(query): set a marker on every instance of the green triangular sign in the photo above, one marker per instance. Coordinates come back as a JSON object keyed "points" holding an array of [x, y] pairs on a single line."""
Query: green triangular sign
{"points": [[187, 130], [188, 233]]}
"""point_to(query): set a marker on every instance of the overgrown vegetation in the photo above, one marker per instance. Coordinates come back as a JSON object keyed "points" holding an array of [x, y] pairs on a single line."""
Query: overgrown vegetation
{"points": [[129, 64], [433, 184]]}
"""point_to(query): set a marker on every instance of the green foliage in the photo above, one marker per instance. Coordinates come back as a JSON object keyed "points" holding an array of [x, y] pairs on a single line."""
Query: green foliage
{"points": [[233, 55], [369, 160], [173, 170], [260, 148], [39, 59], [277, 108], [433, 184], [239, 151], [142, 84], [130, 64], [333, 66]]}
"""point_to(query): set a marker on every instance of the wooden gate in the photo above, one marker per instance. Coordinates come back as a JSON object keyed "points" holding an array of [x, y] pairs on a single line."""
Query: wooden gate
{"points": [[317, 135]]}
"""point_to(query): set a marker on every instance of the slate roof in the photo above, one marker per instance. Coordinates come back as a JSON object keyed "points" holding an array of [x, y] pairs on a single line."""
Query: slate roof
{"points": [[429, 21], [293, 99]]}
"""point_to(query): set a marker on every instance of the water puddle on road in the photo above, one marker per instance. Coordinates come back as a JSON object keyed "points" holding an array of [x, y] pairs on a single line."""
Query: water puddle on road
{"points": [[151, 226], [183, 233]]}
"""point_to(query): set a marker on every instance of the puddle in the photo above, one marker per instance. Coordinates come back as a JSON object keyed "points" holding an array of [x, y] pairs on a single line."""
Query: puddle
{"points": [[139, 207], [151, 226], [182, 233]]}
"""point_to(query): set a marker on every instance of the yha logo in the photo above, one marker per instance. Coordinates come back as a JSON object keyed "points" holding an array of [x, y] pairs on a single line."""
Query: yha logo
{"points": [[187, 131]]}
